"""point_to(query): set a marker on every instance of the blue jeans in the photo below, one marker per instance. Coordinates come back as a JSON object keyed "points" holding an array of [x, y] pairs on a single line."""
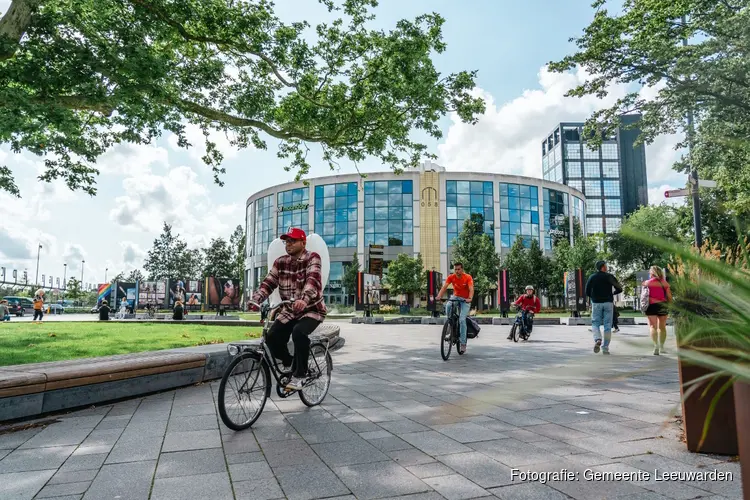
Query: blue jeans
{"points": [[463, 313], [5, 318], [601, 316]]}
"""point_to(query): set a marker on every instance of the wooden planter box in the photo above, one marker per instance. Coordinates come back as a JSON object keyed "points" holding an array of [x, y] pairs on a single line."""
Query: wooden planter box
{"points": [[742, 409], [722, 433]]}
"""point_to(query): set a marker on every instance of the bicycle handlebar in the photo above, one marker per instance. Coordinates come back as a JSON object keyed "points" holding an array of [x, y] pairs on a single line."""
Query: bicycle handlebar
{"points": [[272, 308]]}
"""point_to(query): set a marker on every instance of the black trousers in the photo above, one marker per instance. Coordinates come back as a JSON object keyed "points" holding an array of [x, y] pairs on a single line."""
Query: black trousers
{"points": [[299, 330], [38, 313]]}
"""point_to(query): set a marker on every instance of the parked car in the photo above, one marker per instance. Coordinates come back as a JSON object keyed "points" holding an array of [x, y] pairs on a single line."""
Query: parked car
{"points": [[94, 310], [19, 305], [55, 309]]}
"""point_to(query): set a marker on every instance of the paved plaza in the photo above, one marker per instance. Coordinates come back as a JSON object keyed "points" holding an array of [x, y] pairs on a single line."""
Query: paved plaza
{"points": [[399, 422]]}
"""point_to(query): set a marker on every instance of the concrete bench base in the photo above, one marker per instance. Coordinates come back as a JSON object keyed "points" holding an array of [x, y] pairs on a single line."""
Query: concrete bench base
{"points": [[40, 388]]}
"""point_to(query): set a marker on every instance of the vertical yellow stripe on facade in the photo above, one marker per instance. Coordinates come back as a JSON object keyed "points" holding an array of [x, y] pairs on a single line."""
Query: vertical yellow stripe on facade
{"points": [[429, 219]]}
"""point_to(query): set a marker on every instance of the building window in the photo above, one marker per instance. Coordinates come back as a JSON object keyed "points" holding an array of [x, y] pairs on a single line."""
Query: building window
{"points": [[519, 213], [591, 169], [263, 224], [250, 229], [612, 206], [558, 155], [594, 225], [259, 275], [609, 151], [334, 290], [292, 208], [590, 154], [389, 213], [555, 217], [613, 224], [578, 216], [593, 188], [577, 184], [611, 188], [572, 134], [464, 199], [336, 214], [593, 207], [574, 170], [572, 151], [611, 169]]}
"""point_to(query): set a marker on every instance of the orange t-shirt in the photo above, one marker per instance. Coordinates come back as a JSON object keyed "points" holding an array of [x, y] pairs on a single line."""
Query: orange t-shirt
{"points": [[460, 285]]}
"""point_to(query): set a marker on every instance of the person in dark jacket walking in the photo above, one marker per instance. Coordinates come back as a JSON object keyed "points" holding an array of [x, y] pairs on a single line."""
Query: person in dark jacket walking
{"points": [[601, 288]]}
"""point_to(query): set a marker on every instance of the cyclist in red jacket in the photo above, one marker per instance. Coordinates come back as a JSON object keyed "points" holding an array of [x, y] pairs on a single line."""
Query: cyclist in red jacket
{"points": [[529, 303]]}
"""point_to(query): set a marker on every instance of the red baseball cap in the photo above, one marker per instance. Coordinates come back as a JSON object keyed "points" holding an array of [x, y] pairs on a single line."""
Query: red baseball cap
{"points": [[294, 233]]}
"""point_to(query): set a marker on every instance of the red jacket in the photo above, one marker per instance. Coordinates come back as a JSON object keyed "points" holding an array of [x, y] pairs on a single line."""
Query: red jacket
{"points": [[529, 303]]}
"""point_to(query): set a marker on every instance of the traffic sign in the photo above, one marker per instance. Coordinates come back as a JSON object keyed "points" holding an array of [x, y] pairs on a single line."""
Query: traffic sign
{"points": [[676, 193], [706, 184]]}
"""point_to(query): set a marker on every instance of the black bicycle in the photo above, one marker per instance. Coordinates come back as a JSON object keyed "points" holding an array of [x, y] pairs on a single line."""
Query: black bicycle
{"points": [[519, 329], [246, 384], [450, 335]]}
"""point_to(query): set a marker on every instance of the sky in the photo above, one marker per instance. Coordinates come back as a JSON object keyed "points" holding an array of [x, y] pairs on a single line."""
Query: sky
{"points": [[139, 187]]}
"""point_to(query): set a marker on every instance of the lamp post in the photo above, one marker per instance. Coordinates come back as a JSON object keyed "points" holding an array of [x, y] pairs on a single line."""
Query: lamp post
{"points": [[36, 278], [693, 171], [105, 274], [65, 275], [82, 264]]}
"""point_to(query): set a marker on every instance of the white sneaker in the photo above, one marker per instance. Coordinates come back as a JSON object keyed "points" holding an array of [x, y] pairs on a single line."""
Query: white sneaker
{"points": [[296, 384], [656, 351], [662, 350], [616, 330]]}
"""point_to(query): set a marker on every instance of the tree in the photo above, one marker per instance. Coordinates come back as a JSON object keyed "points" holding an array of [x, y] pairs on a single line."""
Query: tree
{"points": [[719, 221], [643, 46], [170, 257], [73, 290], [78, 77], [134, 276], [349, 280], [517, 264], [405, 275], [475, 250], [237, 245], [539, 266], [632, 255], [219, 260]]}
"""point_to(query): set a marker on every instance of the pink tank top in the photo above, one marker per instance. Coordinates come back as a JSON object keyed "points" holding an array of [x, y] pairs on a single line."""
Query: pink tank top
{"points": [[657, 292]]}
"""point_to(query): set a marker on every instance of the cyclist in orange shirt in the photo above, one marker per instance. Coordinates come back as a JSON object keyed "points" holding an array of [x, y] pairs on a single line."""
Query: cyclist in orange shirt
{"points": [[463, 287]]}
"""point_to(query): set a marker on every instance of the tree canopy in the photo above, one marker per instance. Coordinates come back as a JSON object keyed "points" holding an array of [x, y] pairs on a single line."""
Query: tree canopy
{"points": [[77, 77], [476, 251], [219, 259], [170, 258], [405, 275], [349, 280]]}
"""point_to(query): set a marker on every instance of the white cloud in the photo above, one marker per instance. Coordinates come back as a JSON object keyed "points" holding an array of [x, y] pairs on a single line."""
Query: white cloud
{"points": [[132, 253], [507, 138], [132, 159], [197, 140], [656, 196]]}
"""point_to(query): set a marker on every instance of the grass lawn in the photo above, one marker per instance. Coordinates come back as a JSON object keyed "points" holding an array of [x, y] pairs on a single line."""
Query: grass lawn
{"points": [[33, 343]]}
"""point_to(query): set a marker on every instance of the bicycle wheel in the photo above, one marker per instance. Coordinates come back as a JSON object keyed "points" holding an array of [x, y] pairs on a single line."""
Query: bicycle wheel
{"points": [[248, 381], [319, 366], [514, 332], [446, 340]]}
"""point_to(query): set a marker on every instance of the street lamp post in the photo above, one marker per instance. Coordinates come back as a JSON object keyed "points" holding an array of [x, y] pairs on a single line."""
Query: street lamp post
{"points": [[694, 171], [36, 279], [83, 262], [65, 275], [105, 274]]}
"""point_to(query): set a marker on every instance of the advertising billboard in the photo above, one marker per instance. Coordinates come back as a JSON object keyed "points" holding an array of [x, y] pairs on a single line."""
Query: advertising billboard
{"points": [[223, 292], [189, 292], [368, 292], [434, 284], [153, 293], [125, 291]]}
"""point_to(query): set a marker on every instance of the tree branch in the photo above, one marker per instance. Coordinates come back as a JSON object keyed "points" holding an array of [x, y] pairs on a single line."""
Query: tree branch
{"points": [[13, 25]]}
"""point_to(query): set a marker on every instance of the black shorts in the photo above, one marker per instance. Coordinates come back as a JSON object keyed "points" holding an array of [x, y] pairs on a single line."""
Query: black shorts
{"points": [[658, 309]]}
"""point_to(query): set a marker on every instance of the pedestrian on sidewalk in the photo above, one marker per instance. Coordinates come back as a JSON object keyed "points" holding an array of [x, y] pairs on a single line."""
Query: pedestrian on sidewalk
{"points": [[38, 308], [601, 288], [658, 295], [4, 311]]}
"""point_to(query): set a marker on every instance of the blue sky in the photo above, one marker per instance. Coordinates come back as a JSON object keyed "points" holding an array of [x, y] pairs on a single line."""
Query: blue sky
{"points": [[508, 42]]}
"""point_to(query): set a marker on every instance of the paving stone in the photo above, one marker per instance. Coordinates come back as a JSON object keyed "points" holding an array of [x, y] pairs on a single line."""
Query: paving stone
{"points": [[380, 479], [215, 486], [58, 490], [467, 432], [73, 477], [135, 448], [327, 433], [113, 480], [369, 436], [365, 426], [23, 485], [528, 491], [379, 414], [192, 423], [22, 460], [57, 435], [191, 410], [434, 469], [83, 462], [249, 471], [113, 422], [392, 443], [267, 433], [189, 463], [260, 489], [191, 440], [433, 443], [410, 457], [305, 482], [432, 495], [456, 487], [403, 426], [239, 442], [148, 427], [3, 453], [479, 468], [289, 453], [353, 451], [13, 440], [99, 441], [243, 458], [512, 452]]}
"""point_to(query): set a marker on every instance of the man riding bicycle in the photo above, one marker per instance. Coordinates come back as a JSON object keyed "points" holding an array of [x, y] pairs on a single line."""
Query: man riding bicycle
{"points": [[298, 277], [463, 288], [529, 303]]}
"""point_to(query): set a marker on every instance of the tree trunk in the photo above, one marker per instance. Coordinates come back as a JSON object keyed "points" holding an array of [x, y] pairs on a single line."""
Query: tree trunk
{"points": [[14, 23]]}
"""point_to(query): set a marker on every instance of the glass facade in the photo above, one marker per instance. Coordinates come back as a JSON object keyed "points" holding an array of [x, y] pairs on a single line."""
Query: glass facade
{"points": [[464, 199], [334, 291], [555, 217], [519, 213], [336, 214], [579, 218], [389, 213], [259, 274], [263, 224], [293, 210]]}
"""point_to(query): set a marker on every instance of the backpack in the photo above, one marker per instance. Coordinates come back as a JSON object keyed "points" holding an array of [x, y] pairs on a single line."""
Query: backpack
{"points": [[472, 327], [645, 299]]}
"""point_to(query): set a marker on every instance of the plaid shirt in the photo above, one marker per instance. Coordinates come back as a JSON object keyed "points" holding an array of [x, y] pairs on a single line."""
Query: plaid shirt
{"points": [[296, 278]]}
